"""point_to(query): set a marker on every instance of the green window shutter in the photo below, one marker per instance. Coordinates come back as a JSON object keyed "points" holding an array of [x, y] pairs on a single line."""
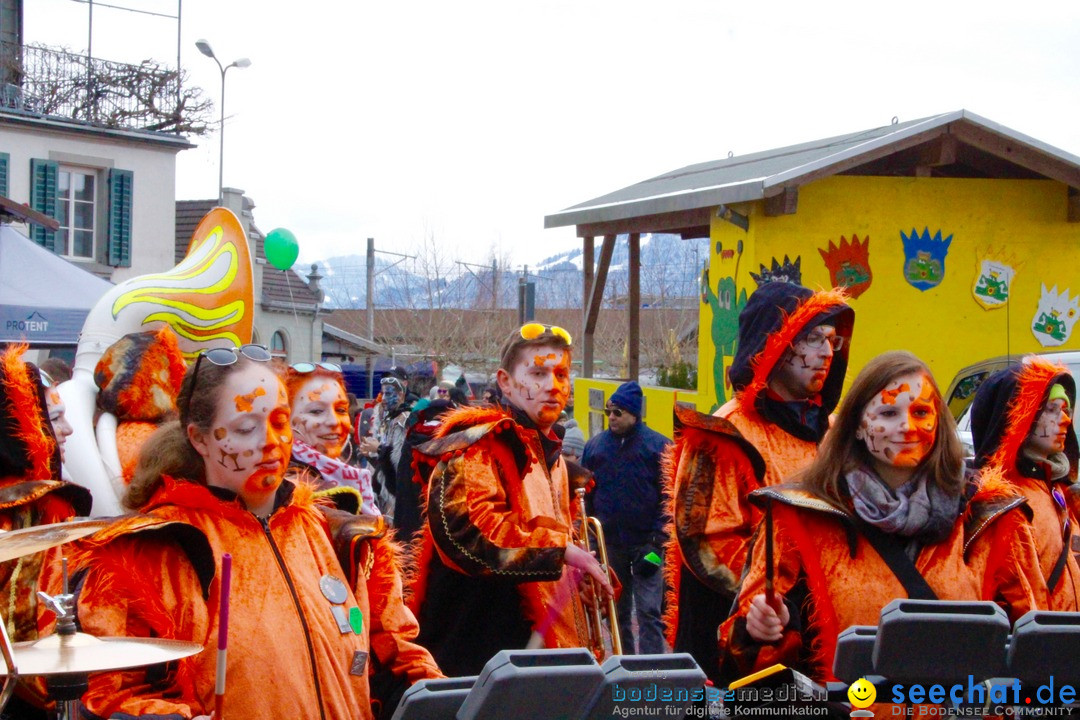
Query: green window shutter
{"points": [[44, 175], [120, 187], [5, 161]]}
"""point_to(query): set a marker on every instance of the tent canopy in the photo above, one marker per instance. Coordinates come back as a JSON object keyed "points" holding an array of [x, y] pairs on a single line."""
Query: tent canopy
{"points": [[44, 299]]}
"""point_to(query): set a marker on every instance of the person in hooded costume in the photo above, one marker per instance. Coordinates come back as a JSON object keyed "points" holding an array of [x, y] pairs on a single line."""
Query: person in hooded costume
{"points": [[1021, 423], [787, 374], [31, 494]]}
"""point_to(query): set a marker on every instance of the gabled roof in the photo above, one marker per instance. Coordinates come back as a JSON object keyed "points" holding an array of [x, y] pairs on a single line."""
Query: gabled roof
{"points": [[955, 144], [360, 343]]}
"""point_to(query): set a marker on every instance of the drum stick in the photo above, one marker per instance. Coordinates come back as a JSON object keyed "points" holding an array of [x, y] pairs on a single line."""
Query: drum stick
{"points": [[223, 637]]}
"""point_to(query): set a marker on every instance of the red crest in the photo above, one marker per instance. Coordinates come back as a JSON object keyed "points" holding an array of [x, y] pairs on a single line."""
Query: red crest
{"points": [[849, 264]]}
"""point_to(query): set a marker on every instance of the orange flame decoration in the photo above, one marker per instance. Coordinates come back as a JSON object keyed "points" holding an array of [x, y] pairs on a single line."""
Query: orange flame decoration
{"points": [[207, 298]]}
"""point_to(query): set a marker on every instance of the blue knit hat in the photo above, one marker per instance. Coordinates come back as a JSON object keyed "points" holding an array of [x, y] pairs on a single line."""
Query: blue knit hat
{"points": [[628, 397]]}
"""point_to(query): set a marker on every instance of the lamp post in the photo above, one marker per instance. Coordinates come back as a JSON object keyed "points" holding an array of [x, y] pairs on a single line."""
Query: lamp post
{"points": [[205, 49]]}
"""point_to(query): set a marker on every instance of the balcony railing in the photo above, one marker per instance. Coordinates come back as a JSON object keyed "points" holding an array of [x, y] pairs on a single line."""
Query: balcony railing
{"points": [[44, 81]]}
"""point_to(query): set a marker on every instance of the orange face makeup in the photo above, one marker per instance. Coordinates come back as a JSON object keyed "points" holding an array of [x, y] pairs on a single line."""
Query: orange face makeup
{"points": [[540, 385], [899, 426], [250, 443], [320, 415]]}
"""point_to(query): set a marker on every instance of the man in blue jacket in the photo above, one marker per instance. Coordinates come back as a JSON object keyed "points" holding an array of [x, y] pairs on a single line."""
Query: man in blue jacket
{"points": [[625, 460]]}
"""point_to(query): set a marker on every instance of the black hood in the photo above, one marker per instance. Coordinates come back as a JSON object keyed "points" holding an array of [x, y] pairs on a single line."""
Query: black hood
{"points": [[1007, 404], [785, 311]]}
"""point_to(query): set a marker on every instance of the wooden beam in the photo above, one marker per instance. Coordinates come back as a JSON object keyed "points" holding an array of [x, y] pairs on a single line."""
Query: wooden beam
{"points": [[22, 213], [1073, 208], [633, 331], [940, 151], [861, 159], [786, 203], [1014, 152], [663, 222], [596, 297], [588, 267]]}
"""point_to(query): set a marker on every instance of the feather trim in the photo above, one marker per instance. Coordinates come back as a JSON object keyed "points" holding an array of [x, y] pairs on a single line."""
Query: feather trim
{"points": [[779, 342], [673, 559], [468, 416], [27, 416], [1032, 383]]}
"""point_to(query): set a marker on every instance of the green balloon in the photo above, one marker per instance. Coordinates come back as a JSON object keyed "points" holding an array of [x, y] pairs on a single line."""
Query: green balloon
{"points": [[281, 248]]}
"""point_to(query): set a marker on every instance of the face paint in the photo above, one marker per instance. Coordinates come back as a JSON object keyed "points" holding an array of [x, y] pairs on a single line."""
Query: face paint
{"points": [[540, 386], [899, 426], [249, 447], [1050, 429], [320, 415], [802, 371], [58, 419]]}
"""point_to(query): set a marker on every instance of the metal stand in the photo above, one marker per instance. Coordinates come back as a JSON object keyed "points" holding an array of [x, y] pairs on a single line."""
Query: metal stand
{"points": [[65, 689]]}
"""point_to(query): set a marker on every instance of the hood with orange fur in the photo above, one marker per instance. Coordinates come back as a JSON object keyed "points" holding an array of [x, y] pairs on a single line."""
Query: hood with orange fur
{"points": [[28, 449]]}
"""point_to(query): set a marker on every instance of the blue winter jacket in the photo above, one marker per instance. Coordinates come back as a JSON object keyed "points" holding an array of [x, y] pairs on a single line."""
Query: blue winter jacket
{"points": [[627, 498]]}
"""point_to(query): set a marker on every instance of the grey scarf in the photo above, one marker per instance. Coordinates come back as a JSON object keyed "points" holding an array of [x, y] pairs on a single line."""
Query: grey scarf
{"points": [[1058, 463], [918, 509]]}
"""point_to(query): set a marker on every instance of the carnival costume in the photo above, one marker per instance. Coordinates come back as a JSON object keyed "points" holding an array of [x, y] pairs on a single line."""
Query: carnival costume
{"points": [[756, 441], [1002, 414], [314, 635], [490, 568]]}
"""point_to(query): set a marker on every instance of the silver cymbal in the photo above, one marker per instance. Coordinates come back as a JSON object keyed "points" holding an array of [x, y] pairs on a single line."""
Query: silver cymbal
{"points": [[82, 653], [16, 543]]}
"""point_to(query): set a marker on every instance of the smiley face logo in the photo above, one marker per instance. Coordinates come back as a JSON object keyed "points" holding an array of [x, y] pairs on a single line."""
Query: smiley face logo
{"points": [[861, 694]]}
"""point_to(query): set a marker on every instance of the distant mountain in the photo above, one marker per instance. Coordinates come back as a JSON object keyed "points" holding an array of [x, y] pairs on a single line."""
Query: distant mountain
{"points": [[670, 270]]}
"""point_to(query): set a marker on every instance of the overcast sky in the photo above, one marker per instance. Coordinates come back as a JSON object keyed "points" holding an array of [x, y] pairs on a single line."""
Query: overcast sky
{"points": [[472, 120]]}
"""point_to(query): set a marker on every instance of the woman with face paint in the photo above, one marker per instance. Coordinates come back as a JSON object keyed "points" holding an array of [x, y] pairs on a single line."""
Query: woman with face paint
{"points": [[321, 428], [1021, 422], [889, 482], [300, 634]]}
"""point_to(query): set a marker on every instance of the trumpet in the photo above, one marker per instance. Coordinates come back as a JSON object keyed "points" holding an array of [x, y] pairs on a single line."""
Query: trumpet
{"points": [[592, 526]]}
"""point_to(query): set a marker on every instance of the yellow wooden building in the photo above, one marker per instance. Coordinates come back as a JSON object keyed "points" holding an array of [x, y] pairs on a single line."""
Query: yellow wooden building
{"points": [[958, 239]]}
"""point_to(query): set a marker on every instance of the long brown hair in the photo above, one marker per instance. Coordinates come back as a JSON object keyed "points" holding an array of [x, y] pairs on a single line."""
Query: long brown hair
{"points": [[169, 451], [842, 452]]}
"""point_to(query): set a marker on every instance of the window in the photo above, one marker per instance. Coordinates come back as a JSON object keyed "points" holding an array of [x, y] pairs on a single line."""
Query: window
{"points": [[277, 345], [76, 199], [93, 207]]}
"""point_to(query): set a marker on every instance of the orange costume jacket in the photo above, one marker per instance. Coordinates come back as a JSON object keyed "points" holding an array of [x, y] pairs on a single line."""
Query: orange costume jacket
{"points": [[831, 577], [1005, 407], [157, 575], [490, 557], [754, 442]]}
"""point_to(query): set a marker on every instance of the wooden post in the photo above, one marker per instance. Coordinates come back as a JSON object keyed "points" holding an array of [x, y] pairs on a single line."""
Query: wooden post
{"points": [[633, 332], [596, 299], [588, 249]]}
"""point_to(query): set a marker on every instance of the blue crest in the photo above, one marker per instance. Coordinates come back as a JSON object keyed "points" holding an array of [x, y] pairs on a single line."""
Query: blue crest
{"points": [[924, 258]]}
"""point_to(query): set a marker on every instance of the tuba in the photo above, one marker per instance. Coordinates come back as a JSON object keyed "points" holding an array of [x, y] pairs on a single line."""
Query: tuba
{"points": [[208, 301], [598, 638]]}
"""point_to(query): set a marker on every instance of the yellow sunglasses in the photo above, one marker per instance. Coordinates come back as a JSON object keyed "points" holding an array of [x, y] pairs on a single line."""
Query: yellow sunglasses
{"points": [[533, 330]]}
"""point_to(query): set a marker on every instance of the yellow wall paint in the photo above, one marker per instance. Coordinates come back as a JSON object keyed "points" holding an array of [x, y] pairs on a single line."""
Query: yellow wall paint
{"points": [[943, 325], [659, 404]]}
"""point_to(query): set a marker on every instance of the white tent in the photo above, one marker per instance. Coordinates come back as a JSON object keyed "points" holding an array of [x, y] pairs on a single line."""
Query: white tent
{"points": [[44, 299]]}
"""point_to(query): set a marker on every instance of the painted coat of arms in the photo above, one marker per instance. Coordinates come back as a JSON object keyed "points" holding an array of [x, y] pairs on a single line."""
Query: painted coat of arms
{"points": [[849, 264], [924, 258], [1055, 316], [993, 279]]}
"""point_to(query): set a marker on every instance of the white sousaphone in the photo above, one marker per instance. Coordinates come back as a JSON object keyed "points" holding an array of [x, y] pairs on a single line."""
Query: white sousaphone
{"points": [[207, 300]]}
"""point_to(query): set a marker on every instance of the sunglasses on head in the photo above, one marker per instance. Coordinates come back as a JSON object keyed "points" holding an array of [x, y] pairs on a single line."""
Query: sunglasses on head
{"points": [[305, 367], [392, 381], [533, 330], [46, 381], [223, 357]]}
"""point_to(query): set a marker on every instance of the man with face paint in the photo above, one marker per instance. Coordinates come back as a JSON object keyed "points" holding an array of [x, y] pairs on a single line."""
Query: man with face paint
{"points": [[498, 566], [787, 374], [1021, 422]]}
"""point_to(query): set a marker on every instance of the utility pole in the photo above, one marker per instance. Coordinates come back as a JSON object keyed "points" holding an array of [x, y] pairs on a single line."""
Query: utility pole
{"points": [[371, 313]]}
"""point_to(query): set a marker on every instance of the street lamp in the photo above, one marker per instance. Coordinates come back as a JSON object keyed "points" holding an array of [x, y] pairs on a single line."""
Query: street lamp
{"points": [[205, 49]]}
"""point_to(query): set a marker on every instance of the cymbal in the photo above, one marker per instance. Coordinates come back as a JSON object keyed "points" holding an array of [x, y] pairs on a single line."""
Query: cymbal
{"points": [[82, 653], [16, 543]]}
